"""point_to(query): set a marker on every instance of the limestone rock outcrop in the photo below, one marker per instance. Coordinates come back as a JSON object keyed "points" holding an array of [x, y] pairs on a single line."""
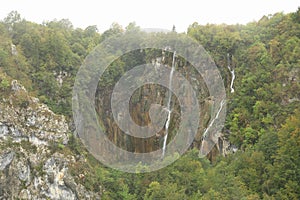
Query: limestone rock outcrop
{"points": [[30, 166]]}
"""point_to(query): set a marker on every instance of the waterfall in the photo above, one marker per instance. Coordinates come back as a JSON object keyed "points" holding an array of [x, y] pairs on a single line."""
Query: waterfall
{"points": [[216, 117], [208, 142], [232, 74], [232, 79], [169, 106], [14, 51]]}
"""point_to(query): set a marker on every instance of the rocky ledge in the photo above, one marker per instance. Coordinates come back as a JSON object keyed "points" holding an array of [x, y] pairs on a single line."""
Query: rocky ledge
{"points": [[31, 164]]}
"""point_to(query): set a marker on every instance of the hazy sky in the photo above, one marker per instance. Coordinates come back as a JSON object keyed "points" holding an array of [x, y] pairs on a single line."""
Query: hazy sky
{"points": [[147, 13]]}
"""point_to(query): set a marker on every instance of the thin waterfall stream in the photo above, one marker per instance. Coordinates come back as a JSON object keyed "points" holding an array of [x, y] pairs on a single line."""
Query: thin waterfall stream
{"points": [[205, 147], [232, 74], [169, 106], [216, 117]]}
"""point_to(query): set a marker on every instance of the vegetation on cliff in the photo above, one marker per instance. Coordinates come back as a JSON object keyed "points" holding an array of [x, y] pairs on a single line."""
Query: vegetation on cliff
{"points": [[263, 117]]}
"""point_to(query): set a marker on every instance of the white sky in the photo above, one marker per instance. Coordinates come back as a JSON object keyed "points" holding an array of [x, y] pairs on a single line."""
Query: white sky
{"points": [[147, 13]]}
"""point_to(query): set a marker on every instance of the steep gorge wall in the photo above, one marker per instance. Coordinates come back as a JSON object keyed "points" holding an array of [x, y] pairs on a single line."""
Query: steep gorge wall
{"points": [[33, 164], [140, 103]]}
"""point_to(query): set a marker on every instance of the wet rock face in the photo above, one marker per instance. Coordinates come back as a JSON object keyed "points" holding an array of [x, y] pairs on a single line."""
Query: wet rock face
{"points": [[141, 101], [30, 167]]}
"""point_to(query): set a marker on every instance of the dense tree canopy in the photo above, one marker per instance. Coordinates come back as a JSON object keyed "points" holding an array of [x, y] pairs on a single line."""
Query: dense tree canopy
{"points": [[263, 119]]}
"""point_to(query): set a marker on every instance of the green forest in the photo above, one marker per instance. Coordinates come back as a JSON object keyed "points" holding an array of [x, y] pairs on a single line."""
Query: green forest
{"points": [[263, 112]]}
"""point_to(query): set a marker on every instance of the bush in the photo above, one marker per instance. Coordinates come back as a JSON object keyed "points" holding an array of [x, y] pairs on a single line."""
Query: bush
{"points": [[4, 85], [21, 99], [4, 82]]}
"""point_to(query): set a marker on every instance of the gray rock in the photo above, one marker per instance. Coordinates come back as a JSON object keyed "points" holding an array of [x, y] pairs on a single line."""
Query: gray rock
{"points": [[25, 194], [60, 192], [15, 132], [36, 141], [31, 120], [24, 172], [3, 130], [15, 86], [6, 159], [29, 166]]}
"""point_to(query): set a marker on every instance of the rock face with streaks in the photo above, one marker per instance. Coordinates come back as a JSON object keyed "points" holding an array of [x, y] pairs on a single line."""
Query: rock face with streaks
{"points": [[31, 164], [149, 94]]}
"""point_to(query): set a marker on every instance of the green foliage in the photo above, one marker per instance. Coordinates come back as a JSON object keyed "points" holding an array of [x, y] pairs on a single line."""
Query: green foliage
{"points": [[21, 99], [4, 83], [170, 191], [287, 164], [28, 146], [263, 114], [45, 52]]}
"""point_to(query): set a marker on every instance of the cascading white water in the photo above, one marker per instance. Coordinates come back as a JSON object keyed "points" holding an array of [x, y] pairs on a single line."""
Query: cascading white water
{"points": [[216, 117], [169, 106], [232, 79], [232, 74], [209, 140]]}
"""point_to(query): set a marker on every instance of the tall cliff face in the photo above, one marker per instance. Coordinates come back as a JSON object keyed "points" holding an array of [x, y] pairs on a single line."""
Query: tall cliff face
{"points": [[33, 163], [148, 94]]}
